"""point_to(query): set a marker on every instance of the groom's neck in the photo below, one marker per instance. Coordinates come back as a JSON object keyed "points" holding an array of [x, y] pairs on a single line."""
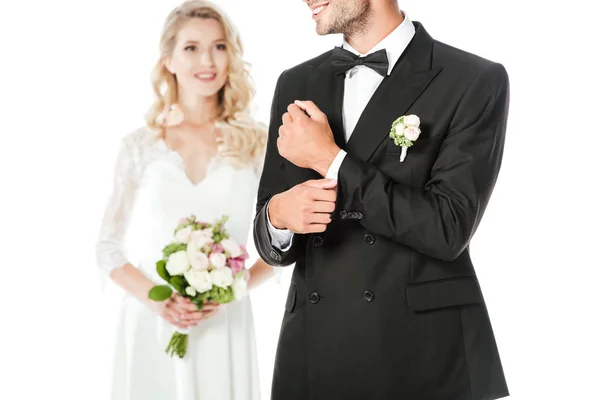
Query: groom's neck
{"points": [[384, 18]]}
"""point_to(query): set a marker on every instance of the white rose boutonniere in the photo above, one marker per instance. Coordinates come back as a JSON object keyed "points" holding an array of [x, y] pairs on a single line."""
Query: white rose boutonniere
{"points": [[405, 130]]}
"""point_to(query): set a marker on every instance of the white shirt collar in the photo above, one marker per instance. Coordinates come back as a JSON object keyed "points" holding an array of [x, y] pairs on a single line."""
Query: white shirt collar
{"points": [[394, 44]]}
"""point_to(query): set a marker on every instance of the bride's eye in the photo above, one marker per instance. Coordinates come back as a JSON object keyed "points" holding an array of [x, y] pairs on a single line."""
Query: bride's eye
{"points": [[221, 46], [190, 48]]}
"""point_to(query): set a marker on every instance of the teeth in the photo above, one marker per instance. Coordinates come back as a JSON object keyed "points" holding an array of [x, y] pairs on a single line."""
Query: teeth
{"points": [[318, 10], [206, 76]]}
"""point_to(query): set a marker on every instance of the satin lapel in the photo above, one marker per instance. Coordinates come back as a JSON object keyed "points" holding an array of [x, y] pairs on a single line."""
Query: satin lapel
{"points": [[394, 96]]}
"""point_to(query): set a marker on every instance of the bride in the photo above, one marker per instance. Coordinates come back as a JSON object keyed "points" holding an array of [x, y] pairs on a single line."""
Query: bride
{"points": [[199, 153]]}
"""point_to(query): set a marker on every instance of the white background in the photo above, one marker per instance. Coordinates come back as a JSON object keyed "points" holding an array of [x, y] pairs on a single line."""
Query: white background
{"points": [[75, 79]]}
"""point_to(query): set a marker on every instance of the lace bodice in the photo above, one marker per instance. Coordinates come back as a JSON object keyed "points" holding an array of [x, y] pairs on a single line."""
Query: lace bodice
{"points": [[146, 169]]}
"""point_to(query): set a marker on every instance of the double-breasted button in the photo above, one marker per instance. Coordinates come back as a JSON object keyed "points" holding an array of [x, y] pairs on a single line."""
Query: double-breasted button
{"points": [[275, 255], [368, 296], [369, 239], [314, 297], [343, 214], [358, 215], [317, 241]]}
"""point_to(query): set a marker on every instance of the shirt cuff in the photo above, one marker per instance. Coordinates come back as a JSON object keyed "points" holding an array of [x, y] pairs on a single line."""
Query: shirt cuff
{"points": [[280, 238], [334, 168]]}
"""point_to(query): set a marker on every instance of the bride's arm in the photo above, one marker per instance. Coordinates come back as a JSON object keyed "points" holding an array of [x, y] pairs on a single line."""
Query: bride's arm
{"points": [[111, 254], [260, 272], [110, 248]]}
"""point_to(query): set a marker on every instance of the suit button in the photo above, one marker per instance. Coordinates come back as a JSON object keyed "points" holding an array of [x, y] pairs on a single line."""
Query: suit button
{"points": [[317, 241], [275, 255], [368, 296], [314, 297], [343, 214], [358, 215], [369, 239]]}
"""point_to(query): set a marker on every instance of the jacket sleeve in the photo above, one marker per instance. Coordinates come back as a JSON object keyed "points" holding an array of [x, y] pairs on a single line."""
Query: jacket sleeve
{"points": [[439, 219], [272, 182]]}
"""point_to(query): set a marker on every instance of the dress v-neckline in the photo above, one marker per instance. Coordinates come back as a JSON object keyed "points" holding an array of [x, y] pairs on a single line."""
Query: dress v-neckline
{"points": [[174, 154]]}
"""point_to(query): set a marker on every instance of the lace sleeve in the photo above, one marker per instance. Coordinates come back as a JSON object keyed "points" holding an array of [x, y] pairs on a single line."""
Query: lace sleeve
{"points": [[110, 248]]}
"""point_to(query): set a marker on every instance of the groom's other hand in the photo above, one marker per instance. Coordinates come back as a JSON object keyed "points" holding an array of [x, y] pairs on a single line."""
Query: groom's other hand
{"points": [[305, 208], [306, 139]]}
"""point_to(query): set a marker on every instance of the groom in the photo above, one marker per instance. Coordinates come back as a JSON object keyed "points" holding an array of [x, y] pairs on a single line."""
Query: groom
{"points": [[384, 302]]}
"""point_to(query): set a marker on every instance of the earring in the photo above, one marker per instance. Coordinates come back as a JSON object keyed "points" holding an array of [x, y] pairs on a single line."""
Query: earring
{"points": [[171, 117], [174, 115]]}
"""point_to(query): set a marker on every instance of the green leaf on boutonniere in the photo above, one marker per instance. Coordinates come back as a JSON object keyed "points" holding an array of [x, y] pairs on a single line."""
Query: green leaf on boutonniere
{"points": [[398, 134], [160, 293]]}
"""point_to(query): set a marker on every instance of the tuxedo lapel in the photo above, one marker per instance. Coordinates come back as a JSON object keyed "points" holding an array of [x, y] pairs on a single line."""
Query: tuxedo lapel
{"points": [[326, 90], [394, 96]]}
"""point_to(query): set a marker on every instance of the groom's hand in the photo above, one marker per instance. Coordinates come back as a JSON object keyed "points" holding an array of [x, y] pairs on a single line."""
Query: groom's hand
{"points": [[307, 140], [305, 208]]}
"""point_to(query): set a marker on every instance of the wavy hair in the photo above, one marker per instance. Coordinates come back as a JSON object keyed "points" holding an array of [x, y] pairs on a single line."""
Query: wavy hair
{"points": [[243, 140]]}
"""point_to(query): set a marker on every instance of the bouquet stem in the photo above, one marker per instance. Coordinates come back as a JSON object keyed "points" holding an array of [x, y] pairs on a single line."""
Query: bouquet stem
{"points": [[178, 344]]}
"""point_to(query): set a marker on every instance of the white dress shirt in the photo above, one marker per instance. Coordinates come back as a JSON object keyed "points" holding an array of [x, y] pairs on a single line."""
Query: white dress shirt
{"points": [[359, 85]]}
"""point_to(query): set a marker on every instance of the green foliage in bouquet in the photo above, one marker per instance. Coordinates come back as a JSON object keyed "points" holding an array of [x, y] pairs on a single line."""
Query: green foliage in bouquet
{"points": [[216, 294]]}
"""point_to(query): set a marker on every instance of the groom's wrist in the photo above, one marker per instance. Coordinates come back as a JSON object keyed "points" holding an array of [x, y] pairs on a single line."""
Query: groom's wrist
{"points": [[273, 211], [326, 159]]}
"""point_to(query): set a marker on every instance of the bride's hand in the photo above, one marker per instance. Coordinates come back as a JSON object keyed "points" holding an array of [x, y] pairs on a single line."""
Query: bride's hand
{"points": [[174, 310], [194, 315]]}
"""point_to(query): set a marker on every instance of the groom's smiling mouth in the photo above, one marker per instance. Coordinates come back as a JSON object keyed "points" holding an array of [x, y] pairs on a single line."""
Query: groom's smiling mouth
{"points": [[317, 9]]}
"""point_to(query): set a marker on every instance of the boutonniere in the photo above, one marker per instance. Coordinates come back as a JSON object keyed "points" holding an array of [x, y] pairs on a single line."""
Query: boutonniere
{"points": [[405, 130]]}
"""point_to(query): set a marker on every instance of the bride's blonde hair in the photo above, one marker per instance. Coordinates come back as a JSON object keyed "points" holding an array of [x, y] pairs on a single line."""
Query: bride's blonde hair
{"points": [[242, 139]]}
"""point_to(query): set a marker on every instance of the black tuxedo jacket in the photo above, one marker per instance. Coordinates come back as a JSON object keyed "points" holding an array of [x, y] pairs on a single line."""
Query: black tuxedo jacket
{"points": [[385, 304]]}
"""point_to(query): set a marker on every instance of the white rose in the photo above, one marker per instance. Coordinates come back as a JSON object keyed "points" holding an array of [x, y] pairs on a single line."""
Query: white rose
{"points": [[199, 239], [240, 287], [190, 291], [222, 277], [412, 120], [199, 280], [412, 133], [232, 247], [399, 128], [178, 263], [183, 235], [198, 259], [218, 260]]}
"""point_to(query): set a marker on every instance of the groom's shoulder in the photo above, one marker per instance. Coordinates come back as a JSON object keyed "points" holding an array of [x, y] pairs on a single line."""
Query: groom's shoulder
{"points": [[464, 63], [307, 67]]}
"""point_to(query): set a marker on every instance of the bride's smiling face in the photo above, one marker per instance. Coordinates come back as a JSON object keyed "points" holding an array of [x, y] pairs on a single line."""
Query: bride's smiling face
{"points": [[200, 59]]}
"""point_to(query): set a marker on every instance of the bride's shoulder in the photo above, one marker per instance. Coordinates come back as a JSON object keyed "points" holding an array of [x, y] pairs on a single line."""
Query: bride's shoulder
{"points": [[140, 144], [245, 138], [140, 138]]}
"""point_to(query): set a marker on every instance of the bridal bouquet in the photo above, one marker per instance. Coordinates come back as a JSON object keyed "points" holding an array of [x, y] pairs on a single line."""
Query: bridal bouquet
{"points": [[203, 264]]}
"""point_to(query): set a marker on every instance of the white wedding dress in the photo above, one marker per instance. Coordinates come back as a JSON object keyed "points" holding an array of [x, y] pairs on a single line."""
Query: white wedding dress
{"points": [[221, 360]]}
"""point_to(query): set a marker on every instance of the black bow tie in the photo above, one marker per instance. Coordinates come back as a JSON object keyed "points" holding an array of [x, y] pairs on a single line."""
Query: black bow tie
{"points": [[344, 60]]}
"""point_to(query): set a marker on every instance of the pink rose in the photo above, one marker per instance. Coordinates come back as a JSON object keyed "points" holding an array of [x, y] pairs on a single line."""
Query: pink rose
{"points": [[236, 265], [217, 248], [412, 133]]}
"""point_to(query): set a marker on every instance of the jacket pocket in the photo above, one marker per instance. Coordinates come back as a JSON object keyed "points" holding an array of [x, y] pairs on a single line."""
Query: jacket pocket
{"points": [[291, 298], [443, 293]]}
